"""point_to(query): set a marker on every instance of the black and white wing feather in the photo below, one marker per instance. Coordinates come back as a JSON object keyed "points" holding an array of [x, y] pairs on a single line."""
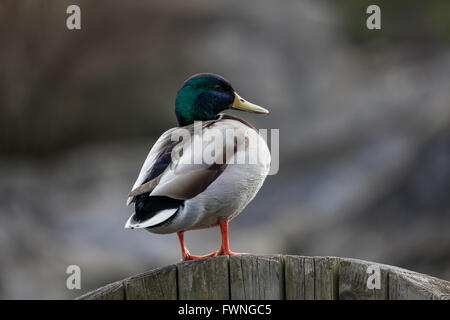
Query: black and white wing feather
{"points": [[164, 184]]}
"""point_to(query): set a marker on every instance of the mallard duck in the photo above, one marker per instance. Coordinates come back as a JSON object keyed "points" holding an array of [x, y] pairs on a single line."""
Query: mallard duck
{"points": [[175, 194]]}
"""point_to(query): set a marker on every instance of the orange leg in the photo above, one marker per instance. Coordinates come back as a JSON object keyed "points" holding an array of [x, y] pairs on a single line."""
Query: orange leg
{"points": [[225, 248], [185, 254]]}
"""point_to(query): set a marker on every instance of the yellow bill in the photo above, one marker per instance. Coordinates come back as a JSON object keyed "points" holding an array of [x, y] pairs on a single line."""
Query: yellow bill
{"points": [[241, 104]]}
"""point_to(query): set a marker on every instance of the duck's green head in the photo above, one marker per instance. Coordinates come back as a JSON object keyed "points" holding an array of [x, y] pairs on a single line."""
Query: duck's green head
{"points": [[204, 95]]}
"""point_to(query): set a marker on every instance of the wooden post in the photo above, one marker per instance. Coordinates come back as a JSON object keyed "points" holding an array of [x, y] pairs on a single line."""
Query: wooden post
{"points": [[276, 277]]}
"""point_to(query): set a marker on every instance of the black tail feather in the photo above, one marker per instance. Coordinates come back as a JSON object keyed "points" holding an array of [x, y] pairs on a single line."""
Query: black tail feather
{"points": [[147, 206]]}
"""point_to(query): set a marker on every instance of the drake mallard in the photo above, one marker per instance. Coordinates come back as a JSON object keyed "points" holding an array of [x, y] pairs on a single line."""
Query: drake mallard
{"points": [[175, 194]]}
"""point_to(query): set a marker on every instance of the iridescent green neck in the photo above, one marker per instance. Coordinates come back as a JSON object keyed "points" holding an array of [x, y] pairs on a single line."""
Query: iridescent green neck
{"points": [[189, 107]]}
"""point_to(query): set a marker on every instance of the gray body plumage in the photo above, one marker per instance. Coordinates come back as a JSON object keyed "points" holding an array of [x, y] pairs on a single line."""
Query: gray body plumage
{"points": [[224, 197]]}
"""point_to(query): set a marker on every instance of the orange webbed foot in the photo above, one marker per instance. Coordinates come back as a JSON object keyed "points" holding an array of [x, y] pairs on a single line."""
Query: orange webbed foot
{"points": [[188, 256]]}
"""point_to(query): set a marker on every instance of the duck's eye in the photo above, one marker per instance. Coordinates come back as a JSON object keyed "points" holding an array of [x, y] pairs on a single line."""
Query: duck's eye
{"points": [[218, 87]]}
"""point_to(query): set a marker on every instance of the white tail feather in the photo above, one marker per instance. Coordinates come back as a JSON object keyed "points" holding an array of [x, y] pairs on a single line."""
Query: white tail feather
{"points": [[161, 216]]}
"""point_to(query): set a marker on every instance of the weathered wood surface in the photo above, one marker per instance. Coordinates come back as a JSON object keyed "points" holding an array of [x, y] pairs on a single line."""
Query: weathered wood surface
{"points": [[256, 277], [353, 279], [159, 284], [204, 279], [276, 277]]}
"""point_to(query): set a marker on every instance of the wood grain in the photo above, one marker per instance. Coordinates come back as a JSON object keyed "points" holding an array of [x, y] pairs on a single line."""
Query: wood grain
{"points": [[274, 277], [256, 277], [353, 279], [159, 284], [112, 291], [326, 278], [204, 279], [408, 285], [299, 277]]}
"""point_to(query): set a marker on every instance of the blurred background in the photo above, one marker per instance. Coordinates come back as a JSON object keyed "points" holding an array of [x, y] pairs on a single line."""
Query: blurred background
{"points": [[364, 119]]}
